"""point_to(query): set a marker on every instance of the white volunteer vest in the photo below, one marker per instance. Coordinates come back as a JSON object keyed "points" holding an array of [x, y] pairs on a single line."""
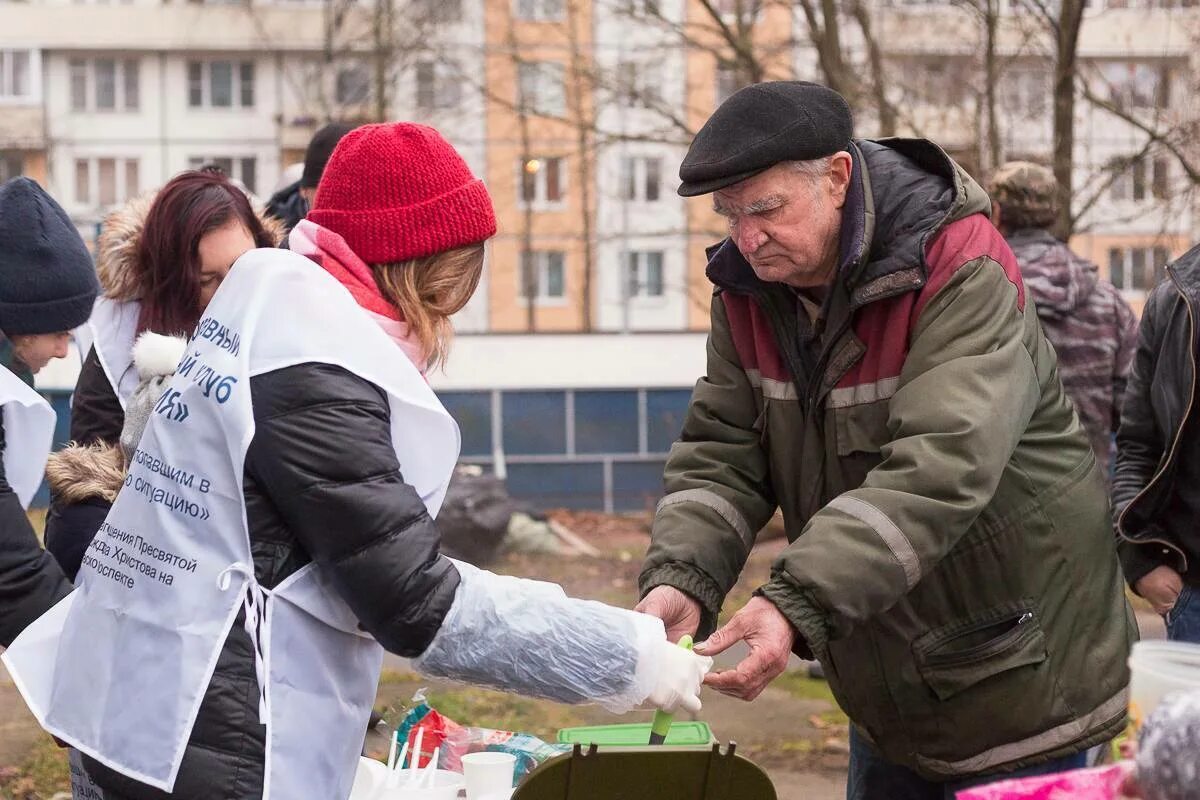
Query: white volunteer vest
{"points": [[112, 330], [118, 668], [28, 435]]}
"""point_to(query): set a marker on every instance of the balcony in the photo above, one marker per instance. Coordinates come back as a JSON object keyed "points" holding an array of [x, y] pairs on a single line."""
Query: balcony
{"points": [[22, 128]]}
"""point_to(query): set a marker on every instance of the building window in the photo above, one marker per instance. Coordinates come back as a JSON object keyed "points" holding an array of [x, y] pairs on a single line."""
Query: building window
{"points": [[1137, 268], [540, 10], [1137, 85], [11, 166], [543, 181], [106, 182], [541, 88], [1141, 179], [220, 84], [543, 275], [643, 8], [1025, 91], [439, 10], [745, 11], [644, 270], [17, 74], [639, 84], [438, 85], [641, 179], [243, 169], [729, 80], [105, 84], [353, 85]]}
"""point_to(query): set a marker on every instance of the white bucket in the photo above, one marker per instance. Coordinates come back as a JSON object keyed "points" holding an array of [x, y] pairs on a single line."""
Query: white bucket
{"points": [[444, 786], [368, 779], [487, 773], [1157, 669]]}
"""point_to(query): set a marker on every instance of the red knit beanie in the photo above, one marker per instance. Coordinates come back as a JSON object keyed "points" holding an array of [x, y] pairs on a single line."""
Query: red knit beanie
{"points": [[398, 191]]}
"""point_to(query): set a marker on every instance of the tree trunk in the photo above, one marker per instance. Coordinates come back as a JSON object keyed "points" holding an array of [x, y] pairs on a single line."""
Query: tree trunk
{"points": [[583, 133], [883, 109], [1070, 20], [383, 34], [991, 73]]}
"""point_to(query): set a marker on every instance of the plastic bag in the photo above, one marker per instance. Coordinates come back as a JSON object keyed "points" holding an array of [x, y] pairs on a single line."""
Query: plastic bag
{"points": [[1168, 759], [1103, 783], [528, 750], [528, 637]]}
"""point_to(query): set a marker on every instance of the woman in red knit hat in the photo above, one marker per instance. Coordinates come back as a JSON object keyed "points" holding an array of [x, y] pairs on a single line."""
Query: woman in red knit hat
{"points": [[275, 533]]}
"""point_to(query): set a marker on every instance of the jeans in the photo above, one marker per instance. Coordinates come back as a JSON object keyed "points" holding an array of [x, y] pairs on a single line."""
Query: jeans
{"points": [[873, 778], [1183, 621]]}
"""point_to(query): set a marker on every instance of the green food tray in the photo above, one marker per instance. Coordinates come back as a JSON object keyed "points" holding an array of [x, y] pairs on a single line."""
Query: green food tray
{"points": [[634, 734]]}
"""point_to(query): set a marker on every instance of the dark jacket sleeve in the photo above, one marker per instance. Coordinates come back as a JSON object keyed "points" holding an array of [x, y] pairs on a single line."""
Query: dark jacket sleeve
{"points": [[96, 413], [30, 579], [322, 452], [1140, 442]]}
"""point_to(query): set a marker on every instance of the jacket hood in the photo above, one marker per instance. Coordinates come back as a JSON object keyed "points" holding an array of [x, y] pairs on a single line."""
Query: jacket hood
{"points": [[902, 191], [1059, 280], [116, 248]]}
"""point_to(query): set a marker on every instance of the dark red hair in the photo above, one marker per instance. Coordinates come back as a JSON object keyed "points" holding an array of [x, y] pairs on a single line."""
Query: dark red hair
{"points": [[192, 204]]}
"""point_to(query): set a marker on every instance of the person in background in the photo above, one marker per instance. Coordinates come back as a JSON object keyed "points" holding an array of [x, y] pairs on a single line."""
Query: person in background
{"points": [[1092, 328], [159, 260], [47, 288], [1156, 483], [290, 204]]}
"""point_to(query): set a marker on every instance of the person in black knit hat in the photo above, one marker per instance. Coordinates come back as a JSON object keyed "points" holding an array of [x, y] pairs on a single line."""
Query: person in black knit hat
{"points": [[291, 203], [47, 288]]}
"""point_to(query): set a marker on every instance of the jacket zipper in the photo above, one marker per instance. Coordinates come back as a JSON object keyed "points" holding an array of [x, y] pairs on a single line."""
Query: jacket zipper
{"points": [[997, 643], [1175, 442]]}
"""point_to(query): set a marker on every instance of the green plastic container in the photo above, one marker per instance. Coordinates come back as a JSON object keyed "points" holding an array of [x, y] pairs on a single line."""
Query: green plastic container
{"points": [[636, 734]]}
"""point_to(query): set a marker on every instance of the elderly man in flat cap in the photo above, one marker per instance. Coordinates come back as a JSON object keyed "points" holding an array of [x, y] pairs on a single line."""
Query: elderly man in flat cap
{"points": [[876, 372]]}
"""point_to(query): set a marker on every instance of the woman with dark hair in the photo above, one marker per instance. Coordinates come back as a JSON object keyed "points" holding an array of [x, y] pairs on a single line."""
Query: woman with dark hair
{"points": [[160, 260]]}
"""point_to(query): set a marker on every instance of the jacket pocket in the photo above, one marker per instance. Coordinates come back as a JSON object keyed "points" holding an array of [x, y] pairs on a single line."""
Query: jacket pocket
{"points": [[955, 658], [861, 428]]}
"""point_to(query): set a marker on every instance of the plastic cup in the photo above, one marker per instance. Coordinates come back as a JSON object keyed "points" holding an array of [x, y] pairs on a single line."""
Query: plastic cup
{"points": [[1158, 669], [368, 779], [488, 773], [445, 786]]}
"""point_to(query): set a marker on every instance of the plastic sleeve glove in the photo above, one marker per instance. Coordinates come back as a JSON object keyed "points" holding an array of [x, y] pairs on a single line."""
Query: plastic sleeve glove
{"points": [[678, 676], [528, 637]]}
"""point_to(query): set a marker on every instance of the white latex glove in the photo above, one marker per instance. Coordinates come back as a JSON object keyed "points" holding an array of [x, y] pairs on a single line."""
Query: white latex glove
{"points": [[678, 675]]}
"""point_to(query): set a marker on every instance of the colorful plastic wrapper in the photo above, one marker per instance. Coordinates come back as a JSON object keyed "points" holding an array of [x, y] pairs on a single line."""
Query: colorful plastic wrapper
{"points": [[1103, 783]]}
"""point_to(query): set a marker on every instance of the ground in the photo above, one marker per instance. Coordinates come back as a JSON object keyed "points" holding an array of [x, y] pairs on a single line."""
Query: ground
{"points": [[794, 730]]}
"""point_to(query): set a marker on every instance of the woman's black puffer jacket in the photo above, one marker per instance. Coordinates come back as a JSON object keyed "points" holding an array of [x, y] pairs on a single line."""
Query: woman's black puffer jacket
{"points": [[322, 483], [30, 579]]}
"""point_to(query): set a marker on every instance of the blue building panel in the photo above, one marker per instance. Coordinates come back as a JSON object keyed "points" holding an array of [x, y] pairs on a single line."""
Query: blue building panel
{"points": [[473, 413], [665, 411], [577, 485], [535, 423], [637, 485], [606, 422]]}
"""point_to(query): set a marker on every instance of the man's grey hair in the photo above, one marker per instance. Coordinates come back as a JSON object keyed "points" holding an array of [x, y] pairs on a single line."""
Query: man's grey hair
{"points": [[814, 169]]}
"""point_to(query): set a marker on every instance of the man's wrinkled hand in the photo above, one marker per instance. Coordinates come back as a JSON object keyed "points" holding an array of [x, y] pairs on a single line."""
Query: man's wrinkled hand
{"points": [[770, 637], [1161, 587], [679, 611]]}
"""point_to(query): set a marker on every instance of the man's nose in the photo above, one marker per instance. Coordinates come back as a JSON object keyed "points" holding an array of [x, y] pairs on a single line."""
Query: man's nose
{"points": [[749, 239], [60, 347]]}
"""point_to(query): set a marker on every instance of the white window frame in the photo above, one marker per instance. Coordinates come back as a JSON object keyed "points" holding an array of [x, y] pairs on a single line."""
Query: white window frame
{"points": [[1124, 188], [34, 95], [121, 189], [640, 84], [541, 200], [544, 75], [91, 85], [447, 85], [237, 167], [346, 68], [206, 82], [1149, 253], [542, 10], [636, 169], [635, 274], [542, 265]]}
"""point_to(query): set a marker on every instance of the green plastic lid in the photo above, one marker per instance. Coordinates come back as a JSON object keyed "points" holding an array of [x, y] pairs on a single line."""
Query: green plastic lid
{"points": [[634, 734]]}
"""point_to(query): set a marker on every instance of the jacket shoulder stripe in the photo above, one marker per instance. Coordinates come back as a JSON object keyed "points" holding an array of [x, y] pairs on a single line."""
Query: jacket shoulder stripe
{"points": [[960, 243]]}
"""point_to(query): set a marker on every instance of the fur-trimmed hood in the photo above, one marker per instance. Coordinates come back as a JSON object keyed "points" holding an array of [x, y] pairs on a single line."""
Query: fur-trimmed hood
{"points": [[116, 248], [80, 472]]}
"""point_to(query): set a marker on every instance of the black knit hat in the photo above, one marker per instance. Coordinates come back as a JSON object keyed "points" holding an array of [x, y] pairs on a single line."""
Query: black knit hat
{"points": [[760, 126], [320, 148], [47, 281]]}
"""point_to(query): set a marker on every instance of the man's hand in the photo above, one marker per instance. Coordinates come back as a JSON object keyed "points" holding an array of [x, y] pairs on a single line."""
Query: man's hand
{"points": [[679, 612], [770, 637], [1161, 587]]}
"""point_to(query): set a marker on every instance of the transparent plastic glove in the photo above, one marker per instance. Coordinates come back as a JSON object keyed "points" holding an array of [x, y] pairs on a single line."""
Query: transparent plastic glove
{"points": [[678, 675]]}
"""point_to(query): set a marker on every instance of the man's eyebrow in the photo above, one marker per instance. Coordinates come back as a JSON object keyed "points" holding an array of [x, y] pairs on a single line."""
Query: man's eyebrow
{"points": [[768, 203]]}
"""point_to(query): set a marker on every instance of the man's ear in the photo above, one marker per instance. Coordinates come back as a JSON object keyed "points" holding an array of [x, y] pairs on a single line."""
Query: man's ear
{"points": [[996, 215], [840, 169]]}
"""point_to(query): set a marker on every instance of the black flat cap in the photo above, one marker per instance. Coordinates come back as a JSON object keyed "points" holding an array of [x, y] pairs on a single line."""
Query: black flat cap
{"points": [[760, 126]]}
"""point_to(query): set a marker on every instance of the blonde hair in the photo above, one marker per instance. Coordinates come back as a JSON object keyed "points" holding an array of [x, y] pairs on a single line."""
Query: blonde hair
{"points": [[429, 290]]}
